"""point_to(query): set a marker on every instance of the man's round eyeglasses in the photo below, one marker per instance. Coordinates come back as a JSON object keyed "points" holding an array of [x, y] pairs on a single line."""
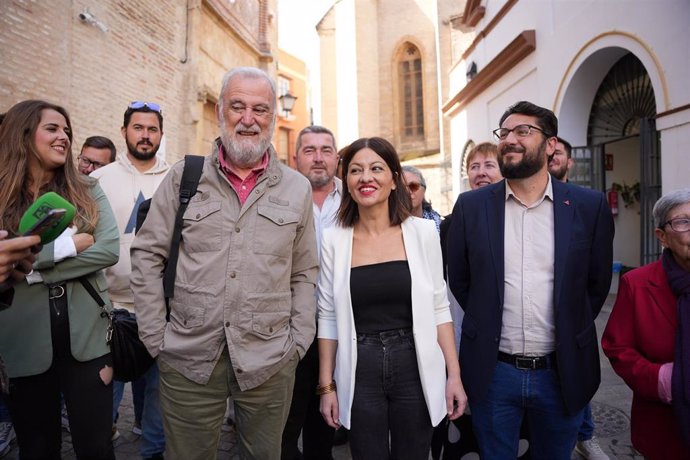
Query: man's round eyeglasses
{"points": [[679, 224], [519, 130], [85, 162]]}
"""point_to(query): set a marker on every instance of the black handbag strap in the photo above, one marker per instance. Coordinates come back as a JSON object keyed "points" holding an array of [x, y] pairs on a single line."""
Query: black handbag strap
{"points": [[99, 300], [89, 288], [191, 174]]}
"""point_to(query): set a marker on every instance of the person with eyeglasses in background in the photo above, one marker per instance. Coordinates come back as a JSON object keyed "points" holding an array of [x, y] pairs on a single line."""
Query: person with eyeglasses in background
{"points": [[529, 260], [416, 185], [127, 182], [647, 337], [96, 152]]}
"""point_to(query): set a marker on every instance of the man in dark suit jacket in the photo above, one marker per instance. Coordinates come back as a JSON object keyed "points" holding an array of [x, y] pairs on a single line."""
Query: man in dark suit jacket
{"points": [[530, 262]]}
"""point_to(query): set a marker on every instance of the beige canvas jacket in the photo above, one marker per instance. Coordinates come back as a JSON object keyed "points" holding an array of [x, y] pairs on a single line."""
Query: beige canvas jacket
{"points": [[245, 276]]}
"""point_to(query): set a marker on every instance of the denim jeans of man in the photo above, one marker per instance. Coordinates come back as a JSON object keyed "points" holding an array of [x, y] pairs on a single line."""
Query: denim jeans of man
{"points": [[152, 432], [587, 428], [516, 393], [388, 400], [138, 388]]}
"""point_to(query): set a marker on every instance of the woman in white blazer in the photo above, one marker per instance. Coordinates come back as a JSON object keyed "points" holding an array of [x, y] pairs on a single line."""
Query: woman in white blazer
{"points": [[385, 332]]}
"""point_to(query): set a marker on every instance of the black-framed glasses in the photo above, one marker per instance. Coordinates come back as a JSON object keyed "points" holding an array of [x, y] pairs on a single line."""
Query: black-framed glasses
{"points": [[679, 224], [85, 162], [519, 130], [149, 105]]}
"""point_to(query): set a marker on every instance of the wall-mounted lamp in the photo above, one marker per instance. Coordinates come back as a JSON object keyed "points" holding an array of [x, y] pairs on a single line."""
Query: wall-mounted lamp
{"points": [[471, 71], [87, 18], [287, 102]]}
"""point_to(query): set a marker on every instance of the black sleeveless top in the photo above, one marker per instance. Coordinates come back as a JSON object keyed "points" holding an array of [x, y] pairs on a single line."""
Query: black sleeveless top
{"points": [[381, 296]]}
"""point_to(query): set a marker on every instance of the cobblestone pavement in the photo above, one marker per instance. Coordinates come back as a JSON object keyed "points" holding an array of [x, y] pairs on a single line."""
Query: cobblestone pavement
{"points": [[610, 407]]}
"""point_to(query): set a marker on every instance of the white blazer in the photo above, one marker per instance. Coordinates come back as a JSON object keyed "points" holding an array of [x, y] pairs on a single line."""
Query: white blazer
{"points": [[429, 309]]}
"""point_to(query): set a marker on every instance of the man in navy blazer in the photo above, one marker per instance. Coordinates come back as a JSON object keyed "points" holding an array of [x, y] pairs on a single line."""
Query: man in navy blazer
{"points": [[529, 260]]}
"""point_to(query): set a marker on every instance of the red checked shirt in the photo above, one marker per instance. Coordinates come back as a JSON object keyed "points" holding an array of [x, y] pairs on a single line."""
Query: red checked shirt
{"points": [[242, 187]]}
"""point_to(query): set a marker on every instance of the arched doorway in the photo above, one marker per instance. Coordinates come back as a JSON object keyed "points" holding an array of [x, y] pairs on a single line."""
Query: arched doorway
{"points": [[622, 155]]}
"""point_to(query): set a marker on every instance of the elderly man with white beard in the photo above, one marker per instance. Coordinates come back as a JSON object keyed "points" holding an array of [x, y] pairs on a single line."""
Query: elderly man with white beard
{"points": [[243, 311]]}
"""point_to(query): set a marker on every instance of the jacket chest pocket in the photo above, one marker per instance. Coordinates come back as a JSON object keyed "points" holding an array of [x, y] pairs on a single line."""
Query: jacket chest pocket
{"points": [[275, 230], [202, 226]]}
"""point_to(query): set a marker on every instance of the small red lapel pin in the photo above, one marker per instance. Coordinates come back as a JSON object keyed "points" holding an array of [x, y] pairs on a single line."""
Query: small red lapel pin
{"points": [[567, 202]]}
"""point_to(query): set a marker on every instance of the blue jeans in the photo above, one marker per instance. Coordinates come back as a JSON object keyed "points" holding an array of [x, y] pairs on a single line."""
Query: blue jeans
{"points": [[152, 434], [513, 394], [138, 389], [587, 428], [388, 402]]}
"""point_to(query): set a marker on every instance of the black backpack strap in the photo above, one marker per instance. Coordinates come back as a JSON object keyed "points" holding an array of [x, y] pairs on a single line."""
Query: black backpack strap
{"points": [[193, 165]]}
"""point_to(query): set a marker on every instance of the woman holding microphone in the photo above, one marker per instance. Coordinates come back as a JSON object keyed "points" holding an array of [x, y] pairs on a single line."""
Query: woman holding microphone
{"points": [[53, 337]]}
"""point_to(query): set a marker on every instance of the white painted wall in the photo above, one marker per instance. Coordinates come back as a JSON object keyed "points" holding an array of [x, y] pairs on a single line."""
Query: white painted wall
{"points": [[346, 51], [584, 35]]}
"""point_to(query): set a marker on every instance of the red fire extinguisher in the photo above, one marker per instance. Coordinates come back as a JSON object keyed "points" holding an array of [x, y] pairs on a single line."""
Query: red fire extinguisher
{"points": [[613, 202]]}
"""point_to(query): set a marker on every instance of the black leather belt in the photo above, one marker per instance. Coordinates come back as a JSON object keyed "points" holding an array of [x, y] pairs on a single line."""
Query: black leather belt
{"points": [[529, 362]]}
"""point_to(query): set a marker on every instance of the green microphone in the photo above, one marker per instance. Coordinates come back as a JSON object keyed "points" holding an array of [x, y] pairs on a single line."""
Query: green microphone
{"points": [[48, 217]]}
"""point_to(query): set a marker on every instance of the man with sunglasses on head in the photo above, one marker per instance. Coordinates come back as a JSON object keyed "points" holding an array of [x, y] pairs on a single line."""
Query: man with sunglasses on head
{"points": [[128, 181], [243, 311], [529, 260], [96, 152]]}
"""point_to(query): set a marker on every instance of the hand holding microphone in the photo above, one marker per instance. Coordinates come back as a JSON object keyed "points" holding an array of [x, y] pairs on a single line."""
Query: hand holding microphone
{"points": [[44, 221], [48, 217], [16, 258]]}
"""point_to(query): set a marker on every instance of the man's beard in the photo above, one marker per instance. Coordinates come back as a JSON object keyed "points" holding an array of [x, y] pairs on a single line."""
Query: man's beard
{"points": [[319, 180], [139, 155], [559, 173], [248, 152], [528, 166]]}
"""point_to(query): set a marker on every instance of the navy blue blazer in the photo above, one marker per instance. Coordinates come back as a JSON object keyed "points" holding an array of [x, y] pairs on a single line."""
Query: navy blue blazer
{"points": [[582, 278]]}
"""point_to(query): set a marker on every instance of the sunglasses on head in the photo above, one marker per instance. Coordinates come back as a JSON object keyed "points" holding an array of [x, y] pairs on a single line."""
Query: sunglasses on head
{"points": [[414, 186], [150, 105]]}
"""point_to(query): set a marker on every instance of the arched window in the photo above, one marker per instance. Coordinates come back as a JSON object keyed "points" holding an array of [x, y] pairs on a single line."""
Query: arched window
{"points": [[411, 92]]}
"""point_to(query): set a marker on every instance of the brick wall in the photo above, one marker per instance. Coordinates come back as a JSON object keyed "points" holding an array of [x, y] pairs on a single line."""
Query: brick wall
{"points": [[47, 52]]}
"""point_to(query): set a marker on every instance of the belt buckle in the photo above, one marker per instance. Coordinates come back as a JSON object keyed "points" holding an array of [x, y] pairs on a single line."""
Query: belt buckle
{"points": [[55, 292], [525, 363]]}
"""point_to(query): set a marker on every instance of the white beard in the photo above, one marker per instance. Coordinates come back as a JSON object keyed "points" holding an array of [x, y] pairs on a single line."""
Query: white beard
{"points": [[248, 152]]}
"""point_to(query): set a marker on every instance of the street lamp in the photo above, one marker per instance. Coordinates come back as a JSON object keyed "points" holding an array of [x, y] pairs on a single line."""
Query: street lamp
{"points": [[287, 101]]}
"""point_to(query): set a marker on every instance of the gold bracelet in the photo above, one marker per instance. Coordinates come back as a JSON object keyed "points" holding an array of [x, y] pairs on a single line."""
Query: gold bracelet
{"points": [[325, 389]]}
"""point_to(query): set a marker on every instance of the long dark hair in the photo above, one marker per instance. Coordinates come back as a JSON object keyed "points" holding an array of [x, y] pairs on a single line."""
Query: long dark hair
{"points": [[399, 204], [16, 146]]}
